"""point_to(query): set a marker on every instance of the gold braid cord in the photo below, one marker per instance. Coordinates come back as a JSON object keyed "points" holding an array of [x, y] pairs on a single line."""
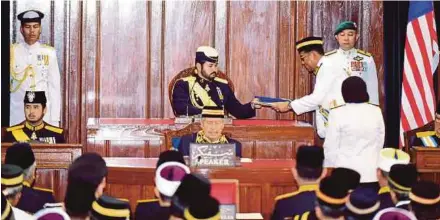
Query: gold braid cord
{"points": [[29, 70], [201, 139]]}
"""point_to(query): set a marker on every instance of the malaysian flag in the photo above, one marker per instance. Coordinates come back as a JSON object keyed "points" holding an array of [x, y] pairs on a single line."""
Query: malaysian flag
{"points": [[421, 60]]}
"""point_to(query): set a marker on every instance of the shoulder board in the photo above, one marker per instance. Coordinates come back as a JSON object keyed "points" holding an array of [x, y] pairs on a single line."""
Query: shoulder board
{"points": [[330, 53], [287, 195], [188, 78], [364, 53], [43, 189], [147, 200], [425, 133], [54, 129], [15, 127], [224, 81], [47, 46], [337, 106], [383, 190]]}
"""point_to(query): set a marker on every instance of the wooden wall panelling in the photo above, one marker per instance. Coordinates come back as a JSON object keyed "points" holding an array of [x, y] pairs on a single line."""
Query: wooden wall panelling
{"points": [[121, 58], [73, 96], [253, 50], [274, 149]]}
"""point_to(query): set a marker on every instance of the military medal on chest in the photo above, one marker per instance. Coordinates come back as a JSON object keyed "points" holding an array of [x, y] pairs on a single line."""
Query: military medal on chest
{"points": [[357, 65]]}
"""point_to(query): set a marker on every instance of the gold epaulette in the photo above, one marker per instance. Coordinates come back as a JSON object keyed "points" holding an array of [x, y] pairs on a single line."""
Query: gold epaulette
{"points": [[330, 52], [15, 127], [383, 190], [54, 129], [43, 189], [336, 106], [364, 53], [224, 81], [147, 200], [287, 195], [47, 46], [425, 133]]}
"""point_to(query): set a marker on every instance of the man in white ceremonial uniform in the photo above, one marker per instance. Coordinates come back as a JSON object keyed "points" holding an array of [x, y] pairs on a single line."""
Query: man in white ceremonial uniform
{"points": [[355, 135], [34, 67], [354, 62], [327, 91]]}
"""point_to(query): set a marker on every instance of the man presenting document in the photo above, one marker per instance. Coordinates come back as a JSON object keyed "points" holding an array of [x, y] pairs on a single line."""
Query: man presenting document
{"points": [[327, 91]]}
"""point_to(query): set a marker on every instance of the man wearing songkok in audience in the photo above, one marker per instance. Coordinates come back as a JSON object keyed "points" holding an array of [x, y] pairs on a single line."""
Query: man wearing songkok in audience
{"points": [[362, 204], [193, 188], [34, 67], [12, 184], [387, 158], [32, 198], [34, 129], [348, 177], [330, 201], [170, 171], [400, 180], [307, 173], [190, 94], [425, 200], [354, 62], [429, 138], [212, 124], [86, 180], [206, 208], [109, 208], [327, 91], [394, 214], [356, 133]]}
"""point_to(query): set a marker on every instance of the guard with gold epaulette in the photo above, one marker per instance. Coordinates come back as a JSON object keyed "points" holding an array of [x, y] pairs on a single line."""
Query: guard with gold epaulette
{"points": [[34, 67], [327, 90], [32, 198], [354, 62], [170, 170], [429, 138], [34, 129], [203, 88], [308, 171]]}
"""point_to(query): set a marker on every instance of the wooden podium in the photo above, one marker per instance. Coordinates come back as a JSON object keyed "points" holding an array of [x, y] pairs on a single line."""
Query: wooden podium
{"points": [[427, 161], [53, 160]]}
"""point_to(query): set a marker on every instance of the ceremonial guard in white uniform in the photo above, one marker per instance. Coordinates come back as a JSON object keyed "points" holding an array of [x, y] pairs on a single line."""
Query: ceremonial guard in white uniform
{"points": [[356, 132], [352, 61], [34, 67]]}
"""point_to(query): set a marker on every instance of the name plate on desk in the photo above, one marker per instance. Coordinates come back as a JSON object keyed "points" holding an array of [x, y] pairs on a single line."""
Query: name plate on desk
{"points": [[212, 155]]}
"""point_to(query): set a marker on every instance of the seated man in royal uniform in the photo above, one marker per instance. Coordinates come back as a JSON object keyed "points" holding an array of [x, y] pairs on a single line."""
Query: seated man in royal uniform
{"points": [[34, 129], [429, 138], [212, 124], [190, 94]]}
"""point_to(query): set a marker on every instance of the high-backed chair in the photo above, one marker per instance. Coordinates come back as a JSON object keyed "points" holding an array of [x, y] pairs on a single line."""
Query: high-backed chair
{"points": [[410, 136], [226, 191], [188, 72]]}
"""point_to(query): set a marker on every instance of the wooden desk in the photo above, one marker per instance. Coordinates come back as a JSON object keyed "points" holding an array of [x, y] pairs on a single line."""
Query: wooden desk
{"points": [[53, 161], [427, 161], [259, 182], [261, 139]]}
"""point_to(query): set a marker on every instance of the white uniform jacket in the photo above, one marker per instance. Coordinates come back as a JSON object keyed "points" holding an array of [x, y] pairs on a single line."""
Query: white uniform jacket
{"points": [[355, 62], [34, 68], [326, 94], [355, 136]]}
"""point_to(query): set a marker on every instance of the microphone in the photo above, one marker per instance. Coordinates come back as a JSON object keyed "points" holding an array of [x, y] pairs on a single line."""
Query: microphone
{"points": [[198, 160]]}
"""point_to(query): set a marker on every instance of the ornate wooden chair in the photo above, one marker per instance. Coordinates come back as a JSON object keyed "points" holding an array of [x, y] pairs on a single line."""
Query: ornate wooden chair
{"points": [[226, 191], [410, 136], [188, 72]]}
